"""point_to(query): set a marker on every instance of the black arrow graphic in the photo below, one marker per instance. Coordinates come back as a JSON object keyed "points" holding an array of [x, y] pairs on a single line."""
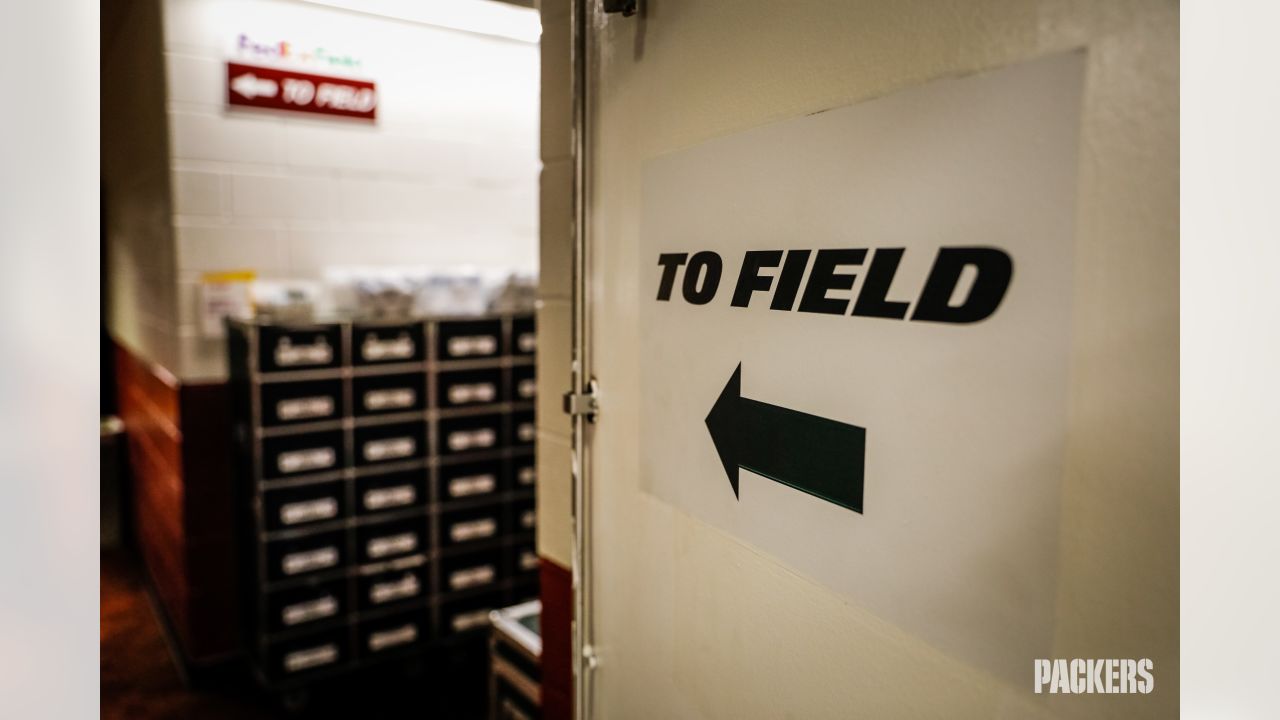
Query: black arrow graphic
{"points": [[812, 454]]}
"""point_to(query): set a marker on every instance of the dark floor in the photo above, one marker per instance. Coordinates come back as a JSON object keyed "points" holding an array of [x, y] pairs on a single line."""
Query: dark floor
{"points": [[140, 680]]}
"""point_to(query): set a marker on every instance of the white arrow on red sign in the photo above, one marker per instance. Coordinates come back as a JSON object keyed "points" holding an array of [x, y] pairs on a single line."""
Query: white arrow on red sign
{"points": [[294, 91], [251, 86]]}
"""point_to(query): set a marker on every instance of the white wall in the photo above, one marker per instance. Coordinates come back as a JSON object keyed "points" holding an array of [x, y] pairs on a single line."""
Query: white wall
{"points": [[139, 255], [555, 289], [446, 175], [692, 622]]}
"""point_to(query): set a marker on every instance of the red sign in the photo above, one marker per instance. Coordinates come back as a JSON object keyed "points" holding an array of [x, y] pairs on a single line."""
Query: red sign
{"points": [[262, 87]]}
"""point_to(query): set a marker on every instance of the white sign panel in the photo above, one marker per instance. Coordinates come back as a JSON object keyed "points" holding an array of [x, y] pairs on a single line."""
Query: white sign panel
{"points": [[857, 327]]}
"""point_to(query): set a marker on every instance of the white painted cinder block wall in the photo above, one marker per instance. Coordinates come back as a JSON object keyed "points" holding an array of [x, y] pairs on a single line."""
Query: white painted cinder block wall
{"points": [[555, 288], [447, 175], [139, 256]]}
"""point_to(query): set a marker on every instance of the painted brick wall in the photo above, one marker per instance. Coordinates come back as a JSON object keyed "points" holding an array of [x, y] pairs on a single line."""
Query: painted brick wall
{"points": [[555, 289], [141, 295], [555, 294], [447, 174]]}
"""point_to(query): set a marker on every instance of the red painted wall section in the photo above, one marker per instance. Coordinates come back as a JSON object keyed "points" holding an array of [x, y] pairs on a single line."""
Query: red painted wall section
{"points": [[180, 460], [557, 645]]}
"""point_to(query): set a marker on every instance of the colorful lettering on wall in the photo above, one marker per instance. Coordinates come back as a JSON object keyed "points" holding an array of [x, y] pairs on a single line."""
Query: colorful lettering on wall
{"points": [[281, 50], [277, 89]]}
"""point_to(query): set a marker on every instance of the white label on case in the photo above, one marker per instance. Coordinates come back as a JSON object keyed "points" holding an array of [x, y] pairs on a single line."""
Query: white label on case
{"points": [[310, 459], [527, 475], [309, 610], [527, 388], [311, 657], [472, 485], [308, 510], [389, 399], [511, 712], [466, 345], [309, 560], [390, 638], [471, 577], [473, 529], [389, 448], [469, 620], [528, 519], [392, 545], [527, 342], [463, 393], [528, 560], [526, 432], [468, 439], [405, 587], [289, 355], [307, 407], [397, 348], [389, 497]]}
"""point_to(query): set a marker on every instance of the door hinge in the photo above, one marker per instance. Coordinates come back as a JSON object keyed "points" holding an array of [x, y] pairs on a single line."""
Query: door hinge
{"points": [[585, 403]]}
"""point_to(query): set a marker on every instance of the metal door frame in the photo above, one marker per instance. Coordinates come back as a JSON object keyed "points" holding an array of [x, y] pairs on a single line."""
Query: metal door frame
{"points": [[583, 384]]}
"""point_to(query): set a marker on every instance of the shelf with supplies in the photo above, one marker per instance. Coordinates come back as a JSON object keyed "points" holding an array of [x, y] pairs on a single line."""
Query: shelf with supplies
{"points": [[387, 478]]}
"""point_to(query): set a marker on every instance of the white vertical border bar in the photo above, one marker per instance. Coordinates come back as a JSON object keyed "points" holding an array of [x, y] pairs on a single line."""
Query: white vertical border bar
{"points": [[1230, 337], [49, 229]]}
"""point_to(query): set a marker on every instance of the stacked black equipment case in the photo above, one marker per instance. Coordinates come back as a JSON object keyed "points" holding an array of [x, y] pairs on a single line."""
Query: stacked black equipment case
{"points": [[388, 480]]}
